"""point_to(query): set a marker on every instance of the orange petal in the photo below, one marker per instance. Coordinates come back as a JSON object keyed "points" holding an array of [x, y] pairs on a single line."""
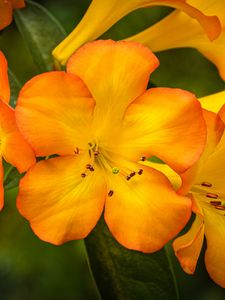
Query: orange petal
{"points": [[5, 13], [165, 118], [215, 236], [1, 185], [13, 148], [107, 13], [18, 3], [59, 204], [53, 112], [4, 81], [145, 212], [222, 111], [188, 246], [215, 130], [115, 73]]}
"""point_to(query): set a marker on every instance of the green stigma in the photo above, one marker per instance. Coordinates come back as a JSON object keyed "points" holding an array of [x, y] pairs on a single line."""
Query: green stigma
{"points": [[115, 170]]}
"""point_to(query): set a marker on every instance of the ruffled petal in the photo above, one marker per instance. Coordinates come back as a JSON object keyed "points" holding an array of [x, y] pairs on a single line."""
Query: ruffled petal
{"points": [[4, 81], [54, 112], [1, 185], [13, 147], [59, 204], [213, 102], [165, 118], [107, 13], [18, 3], [115, 73], [5, 13], [145, 212], [188, 246]]}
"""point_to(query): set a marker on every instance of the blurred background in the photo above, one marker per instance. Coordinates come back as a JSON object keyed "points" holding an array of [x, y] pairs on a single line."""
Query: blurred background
{"points": [[34, 270]]}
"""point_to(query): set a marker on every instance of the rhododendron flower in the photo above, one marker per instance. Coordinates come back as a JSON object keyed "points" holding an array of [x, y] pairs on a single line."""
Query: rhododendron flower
{"points": [[100, 120], [187, 33], [13, 147], [205, 183], [6, 10], [101, 15]]}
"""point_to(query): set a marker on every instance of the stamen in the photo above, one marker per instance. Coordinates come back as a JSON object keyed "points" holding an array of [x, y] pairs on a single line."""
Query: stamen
{"points": [[211, 195], [220, 207], [110, 193], [215, 203], [96, 153], [140, 171], [88, 166], [143, 158], [128, 177], [83, 175], [91, 169], [77, 151], [132, 174], [207, 184], [115, 170]]}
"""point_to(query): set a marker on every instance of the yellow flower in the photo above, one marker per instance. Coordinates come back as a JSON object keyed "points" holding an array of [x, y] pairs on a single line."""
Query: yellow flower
{"points": [[205, 185], [100, 119], [101, 15], [187, 33]]}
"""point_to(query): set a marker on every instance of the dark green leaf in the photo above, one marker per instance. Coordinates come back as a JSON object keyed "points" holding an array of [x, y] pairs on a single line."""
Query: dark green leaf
{"points": [[122, 274], [41, 31], [15, 87]]}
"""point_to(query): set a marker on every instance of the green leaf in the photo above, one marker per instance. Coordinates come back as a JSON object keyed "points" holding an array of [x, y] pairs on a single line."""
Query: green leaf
{"points": [[41, 31], [15, 87], [123, 274]]}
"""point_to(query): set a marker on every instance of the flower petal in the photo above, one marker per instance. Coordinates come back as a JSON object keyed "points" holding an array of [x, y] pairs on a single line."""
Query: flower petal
{"points": [[213, 102], [165, 118], [18, 3], [105, 67], [5, 13], [59, 204], [144, 213], [1, 185], [188, 246], [109, 12], [4, 81], [215, 236], [53, 112], [13, 147]]}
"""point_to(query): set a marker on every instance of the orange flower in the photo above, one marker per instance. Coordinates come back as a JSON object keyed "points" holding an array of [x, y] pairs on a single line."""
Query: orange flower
{"points": [[101, 15], [100, 120], [6, 9], [13, 148]]}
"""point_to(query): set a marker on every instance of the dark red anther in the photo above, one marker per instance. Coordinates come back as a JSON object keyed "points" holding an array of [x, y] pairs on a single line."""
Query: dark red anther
{"points": [[211, 195], [88, 166], [77, 151], [140, 171], [132, 174], [215, 203], [91, 169], [220, 207], [207, 184], [128, 177], [110, 193], [143, 158], [96, 153], [83, 175]]}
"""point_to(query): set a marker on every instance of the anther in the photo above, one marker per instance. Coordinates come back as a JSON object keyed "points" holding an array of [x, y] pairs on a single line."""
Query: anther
{"points": [[110, 193], [77, 151], [215, 203], [88, 166], [140, 171], [91, 168], [96, 153], [128, 177], [220, 207], [132, 174], [207, 184], [211, 195], [83, 175], [143, 158]]}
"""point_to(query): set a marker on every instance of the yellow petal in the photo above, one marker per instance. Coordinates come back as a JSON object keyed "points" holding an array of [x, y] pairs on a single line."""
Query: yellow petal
{"points": [[59, 204], [188, 33], [53, 112], [144, 213], [101, 15], [4, 81], [188, 246], [213, 102], [115, 73], [165, 118]]}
